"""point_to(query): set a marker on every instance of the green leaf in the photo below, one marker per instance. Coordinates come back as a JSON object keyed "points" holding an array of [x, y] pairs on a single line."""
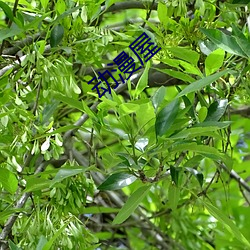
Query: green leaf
{"points": [[204, 150], [108, 3], [188, 105], [162, 12], [219, 125], [128, 108], [8, 180], [177, 74], [70, 101], [98, 210], [186, 55], [174, 172], [202, 114], [197, 85], [41, 243], [236, 32], [68, 12], [198, 175], [13, 246], [227, 223], [143, 81], [223, 41], [214, 61], [158, 97], [36, 21], [56, 35], [9, 32], [7, 10], [66, 172], [216, 110], [193, 132], [9, 211], [189, 68], [117, 181], [49, 244], [194, 161], [33, 183], [132, 203], [44, 3], [244, 45], [166, 117], [49, 110], [173, 196]]}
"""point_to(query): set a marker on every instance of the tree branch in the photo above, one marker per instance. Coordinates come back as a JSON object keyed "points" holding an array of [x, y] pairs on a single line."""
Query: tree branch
{"points": [[21, 44], [236, 177], [16, 63], [20, 203]]}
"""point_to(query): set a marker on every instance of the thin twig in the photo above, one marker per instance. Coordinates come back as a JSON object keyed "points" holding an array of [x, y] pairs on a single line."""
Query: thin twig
{"points": [[37, 97], [148, 14], [235, 176], [20, 203], [244, 195], [21, 44], [9, 24]]}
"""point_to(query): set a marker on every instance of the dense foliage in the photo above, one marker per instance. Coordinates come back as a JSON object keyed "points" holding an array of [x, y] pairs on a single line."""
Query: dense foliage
{"points": [[160, 163]]}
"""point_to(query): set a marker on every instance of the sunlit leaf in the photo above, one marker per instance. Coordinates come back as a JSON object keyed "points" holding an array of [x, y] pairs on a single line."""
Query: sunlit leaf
{"points": [[7, 10], [67, 172], [202, 114], [70, 101], [117, 181], [173, 196], [219, 125], [158, 97], [129, 108], [34, 183], [49, 244], [214, 61], [223, 41], [177, 74], [229, 224], [216, 110], [143, 81], [193, 132], [162, 12], [186, 54], [44, 3], [8, 180], [141, 144], [197, 85]]}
